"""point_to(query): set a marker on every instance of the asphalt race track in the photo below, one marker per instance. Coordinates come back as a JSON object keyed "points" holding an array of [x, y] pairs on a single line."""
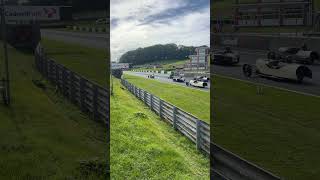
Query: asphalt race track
{"points": [[309, 86], [164, 78]]}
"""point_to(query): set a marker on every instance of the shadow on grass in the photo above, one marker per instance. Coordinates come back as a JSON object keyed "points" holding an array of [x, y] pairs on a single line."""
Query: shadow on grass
{"points": [[25, 51]]}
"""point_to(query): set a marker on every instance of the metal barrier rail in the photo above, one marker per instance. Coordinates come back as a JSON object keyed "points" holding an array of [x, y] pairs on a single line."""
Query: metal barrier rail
{"points": [[90, 97], [196, 130], [228, 166], [88, 29]]}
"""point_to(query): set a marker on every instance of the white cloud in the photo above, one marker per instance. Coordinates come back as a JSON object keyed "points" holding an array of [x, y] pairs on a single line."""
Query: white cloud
{"points": [[191, 29]]}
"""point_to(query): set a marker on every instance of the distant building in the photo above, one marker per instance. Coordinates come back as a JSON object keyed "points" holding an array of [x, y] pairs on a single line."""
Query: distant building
{"points": [[200, 60], [274, 13]]}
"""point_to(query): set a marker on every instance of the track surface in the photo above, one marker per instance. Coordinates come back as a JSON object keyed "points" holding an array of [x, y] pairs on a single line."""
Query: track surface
{"points": [[164, 78], [309, 86]]}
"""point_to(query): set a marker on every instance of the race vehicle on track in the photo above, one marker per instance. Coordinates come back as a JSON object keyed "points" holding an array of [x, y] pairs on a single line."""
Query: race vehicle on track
{"points": [[294, 54], [277, 69], [226, 57], [151, 76], [178, 79], [196, 83], [170, 76], [201, 78]]}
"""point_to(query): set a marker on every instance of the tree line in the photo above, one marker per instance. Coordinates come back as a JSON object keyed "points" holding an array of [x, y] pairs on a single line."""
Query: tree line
{"points": [[157, 53]]}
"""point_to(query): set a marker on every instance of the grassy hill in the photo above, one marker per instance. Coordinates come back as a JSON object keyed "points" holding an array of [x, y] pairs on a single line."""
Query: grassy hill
{"points": [[42, 136]]}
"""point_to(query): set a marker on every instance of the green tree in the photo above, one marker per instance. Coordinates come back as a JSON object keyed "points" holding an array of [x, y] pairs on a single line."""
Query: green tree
{"points": [[157, 52]]}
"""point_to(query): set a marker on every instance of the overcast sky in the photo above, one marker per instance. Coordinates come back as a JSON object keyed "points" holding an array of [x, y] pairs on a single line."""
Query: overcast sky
{"points": [[141, 23]]}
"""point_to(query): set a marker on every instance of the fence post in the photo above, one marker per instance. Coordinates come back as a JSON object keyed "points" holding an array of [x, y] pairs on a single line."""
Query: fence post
{"points": [[95, 102], [82, 94], [72, 88], [139, 92], [63, 80], [50, 72], [145, 97], [57, 76], [198, 135], [151, 101], [160, 108], [174, 117], [136, 91]]}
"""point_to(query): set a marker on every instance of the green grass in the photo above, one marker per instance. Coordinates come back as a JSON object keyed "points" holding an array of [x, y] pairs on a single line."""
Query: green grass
{"points": [[42, 136], [144, 147], [89, 62], [278, 130], [190, 100]]}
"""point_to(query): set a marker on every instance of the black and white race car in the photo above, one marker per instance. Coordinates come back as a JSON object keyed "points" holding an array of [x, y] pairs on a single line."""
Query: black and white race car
{"points": [[277, 69], [196, 83], [151, 76], [178, 79], [202, 78], [226, 57], [294, 54]]}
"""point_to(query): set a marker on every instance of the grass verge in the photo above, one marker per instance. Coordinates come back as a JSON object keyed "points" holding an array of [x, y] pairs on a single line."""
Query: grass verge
{"points": [[89, 62], [278, 130], [144, 147], [42, 136], [190, 100]]}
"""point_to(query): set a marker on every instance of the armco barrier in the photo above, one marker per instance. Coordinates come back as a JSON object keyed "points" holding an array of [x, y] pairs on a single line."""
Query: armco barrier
{"points": [[87, 29], [90, 97], [196, 130], [228, 166], [264, 42]]}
